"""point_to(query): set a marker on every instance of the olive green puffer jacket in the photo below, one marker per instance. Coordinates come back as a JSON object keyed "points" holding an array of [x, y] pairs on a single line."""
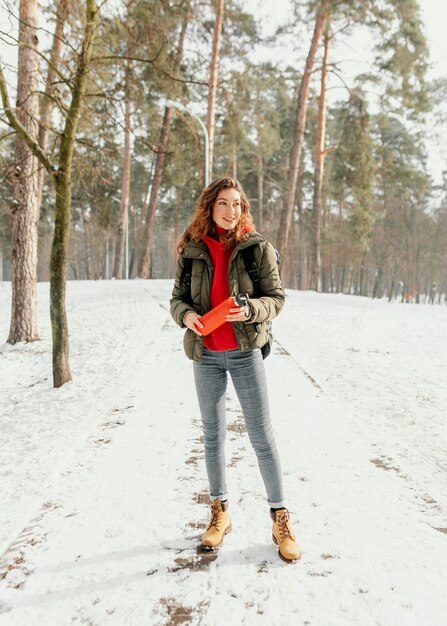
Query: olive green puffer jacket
{"points": [[251, 334]]}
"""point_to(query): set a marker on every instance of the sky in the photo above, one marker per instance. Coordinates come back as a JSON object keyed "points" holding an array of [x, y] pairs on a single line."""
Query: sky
{"points": [[435, 18]]}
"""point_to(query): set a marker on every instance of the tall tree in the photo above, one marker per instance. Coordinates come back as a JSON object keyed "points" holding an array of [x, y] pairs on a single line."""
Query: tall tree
{"points": [[403, 186], [352, 178], [266, 91], [143, 267], [298, 134], [50, 94], [125, 181], [214, 76], [25, 209], [319, 170], [402, 57], [61, 178]]}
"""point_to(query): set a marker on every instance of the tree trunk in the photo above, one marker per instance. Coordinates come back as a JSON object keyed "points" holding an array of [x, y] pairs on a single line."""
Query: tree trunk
{"points": [[87, 245], [302, 249], [58, 265], [125, 184], [106, 260], [319, 171], [176, 238], [25, 209], [441, 291], [391, 289], [59, 249], [143, 267], [298, 136], [293, 255], [260, 177], [212, 85], [377, 280], [341, 285], [234, 161], [46, 106], [350, 279]]}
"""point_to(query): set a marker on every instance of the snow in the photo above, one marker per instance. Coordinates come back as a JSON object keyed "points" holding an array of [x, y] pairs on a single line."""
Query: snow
{"points": [[103, 485]]}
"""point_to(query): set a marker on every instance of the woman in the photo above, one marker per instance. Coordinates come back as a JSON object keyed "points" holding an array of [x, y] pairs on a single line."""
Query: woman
{"points": [[219, 231]]}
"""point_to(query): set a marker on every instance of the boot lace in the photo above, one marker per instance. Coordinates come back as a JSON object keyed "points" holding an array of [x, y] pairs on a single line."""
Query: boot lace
{"points": [[284, 528], [215, 516]]}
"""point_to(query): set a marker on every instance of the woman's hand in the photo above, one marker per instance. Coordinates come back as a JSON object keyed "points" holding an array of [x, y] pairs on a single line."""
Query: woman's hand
{"points": [[192, 321], [238, 314]]}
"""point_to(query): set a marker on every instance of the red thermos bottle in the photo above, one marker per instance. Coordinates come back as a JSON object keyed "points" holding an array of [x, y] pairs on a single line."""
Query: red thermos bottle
{"points": [[217, 316]]}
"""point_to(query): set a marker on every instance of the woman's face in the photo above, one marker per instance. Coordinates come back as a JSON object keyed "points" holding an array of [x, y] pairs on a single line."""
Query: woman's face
{"points": [[227, 208]]}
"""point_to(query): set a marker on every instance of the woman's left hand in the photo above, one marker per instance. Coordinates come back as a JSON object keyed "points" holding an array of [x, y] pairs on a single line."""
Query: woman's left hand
{"points": [[238, 314]]}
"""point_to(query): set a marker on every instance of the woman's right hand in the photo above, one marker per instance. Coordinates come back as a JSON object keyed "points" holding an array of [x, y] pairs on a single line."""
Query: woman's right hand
{"points": [[192, 321]]}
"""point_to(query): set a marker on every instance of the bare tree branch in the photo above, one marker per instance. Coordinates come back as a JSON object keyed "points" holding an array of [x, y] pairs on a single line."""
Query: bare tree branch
{"points": [[9, 10], [151, 146], [180, 80], [12, 132], [47, 60], [58, 102], [151, 62], [21, 130], [333, 71]]}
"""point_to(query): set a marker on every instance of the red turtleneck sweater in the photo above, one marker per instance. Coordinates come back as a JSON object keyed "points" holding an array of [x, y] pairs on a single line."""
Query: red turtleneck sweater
{"points": [[223, 337]]}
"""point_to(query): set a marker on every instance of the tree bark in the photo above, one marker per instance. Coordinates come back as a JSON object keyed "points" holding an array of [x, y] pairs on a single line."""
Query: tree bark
{"points": [[319, 172], [304, 270], [46, 106], [176, 238], [58, 265], [25, 209], [260, 179], [125, 184], [59, 249], [234, 161], [106, 259], [377, 280], [212, 85], [87, 245], [143, 267], [298, 137]]}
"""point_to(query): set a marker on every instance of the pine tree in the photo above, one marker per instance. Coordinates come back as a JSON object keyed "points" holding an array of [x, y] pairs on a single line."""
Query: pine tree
{"points": [[25, 208]]}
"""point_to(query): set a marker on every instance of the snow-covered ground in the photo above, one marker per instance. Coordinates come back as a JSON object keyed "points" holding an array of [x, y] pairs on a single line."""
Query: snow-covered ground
{"points": [[103, 493]]}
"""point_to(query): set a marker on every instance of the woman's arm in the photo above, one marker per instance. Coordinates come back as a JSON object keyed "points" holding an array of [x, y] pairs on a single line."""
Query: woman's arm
{"points": [[182, 312], [268, 305], [179, 307]]}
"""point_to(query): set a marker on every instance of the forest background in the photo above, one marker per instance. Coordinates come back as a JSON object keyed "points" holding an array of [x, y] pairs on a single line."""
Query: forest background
{"points": [[326, 113]]}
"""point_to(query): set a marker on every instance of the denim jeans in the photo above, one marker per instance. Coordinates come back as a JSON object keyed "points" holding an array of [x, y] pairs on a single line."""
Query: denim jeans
{"points": [[248, 376]]}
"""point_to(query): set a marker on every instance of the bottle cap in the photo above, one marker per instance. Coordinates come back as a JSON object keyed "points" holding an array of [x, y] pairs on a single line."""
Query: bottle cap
{"points": [[241, 299]]}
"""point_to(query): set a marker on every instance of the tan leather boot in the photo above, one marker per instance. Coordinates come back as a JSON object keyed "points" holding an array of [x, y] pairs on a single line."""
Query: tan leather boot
{"points": [[283, 536], [220, 525]]}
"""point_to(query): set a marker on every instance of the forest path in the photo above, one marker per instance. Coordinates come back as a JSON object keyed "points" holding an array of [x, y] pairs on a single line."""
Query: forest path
{"points": [[115, 541]]}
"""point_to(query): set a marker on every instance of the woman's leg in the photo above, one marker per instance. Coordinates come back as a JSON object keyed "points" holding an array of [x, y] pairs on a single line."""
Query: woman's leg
{"points": [[211, 383], [248, 375]]}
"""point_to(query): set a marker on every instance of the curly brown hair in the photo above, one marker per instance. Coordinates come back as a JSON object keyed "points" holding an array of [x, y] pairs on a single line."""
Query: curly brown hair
{"points": [[202, 223]]}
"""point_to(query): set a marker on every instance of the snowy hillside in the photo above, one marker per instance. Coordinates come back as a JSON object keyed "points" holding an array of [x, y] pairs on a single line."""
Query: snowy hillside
{"points": [[103, 488]]}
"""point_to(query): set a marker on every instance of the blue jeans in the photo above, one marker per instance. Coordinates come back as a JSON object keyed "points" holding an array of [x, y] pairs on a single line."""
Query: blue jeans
{"points": [[248, 376]]}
